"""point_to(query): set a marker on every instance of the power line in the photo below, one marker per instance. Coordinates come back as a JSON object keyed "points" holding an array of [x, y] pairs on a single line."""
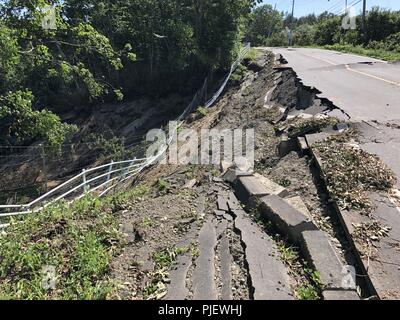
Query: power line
{"points": [[334, 7], [351, 5]]}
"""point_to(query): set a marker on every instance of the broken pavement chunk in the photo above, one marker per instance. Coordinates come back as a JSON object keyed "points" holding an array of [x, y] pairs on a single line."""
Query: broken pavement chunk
{"points": [[321, 255], [223, 203], [288, 220], [298, 203], [340, 295], [272, 187], [190, 184], [232, 174]]}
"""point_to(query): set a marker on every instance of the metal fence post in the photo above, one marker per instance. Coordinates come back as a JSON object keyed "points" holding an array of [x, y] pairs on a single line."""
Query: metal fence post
{"points": [[128, 168], [85, 187], [109, 170]]}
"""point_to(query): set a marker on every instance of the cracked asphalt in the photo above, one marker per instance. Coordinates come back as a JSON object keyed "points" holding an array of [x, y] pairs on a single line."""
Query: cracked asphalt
{"points": [[366, 89]]}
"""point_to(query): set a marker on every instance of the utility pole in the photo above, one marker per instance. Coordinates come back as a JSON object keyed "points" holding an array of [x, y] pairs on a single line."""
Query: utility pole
{"points": [[364, 20], [291, 25]]}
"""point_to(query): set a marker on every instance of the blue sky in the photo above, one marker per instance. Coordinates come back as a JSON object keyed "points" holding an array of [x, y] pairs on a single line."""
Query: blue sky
{"points": [[303, 7]]}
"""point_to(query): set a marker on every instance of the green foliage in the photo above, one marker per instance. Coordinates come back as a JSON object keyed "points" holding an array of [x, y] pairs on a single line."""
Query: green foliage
{"points": [[9, 57], [381, 39], [327, 31], [285, 183], [315, 277], [307, 292], [79, 240], [23, 123], [239, 73], [278, 39], [312, 290], [108, 148], [353, 173], [90, 58], [163, 185], [304, 35], [201, 111], [360, 50], [264, 22], [381, 23], [164, 258], [251, 56], [391, 43]]}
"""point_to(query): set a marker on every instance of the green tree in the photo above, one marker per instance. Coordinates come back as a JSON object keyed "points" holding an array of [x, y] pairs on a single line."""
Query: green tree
{"points": [[304, 35], [21, 123], [264, 22], [328, 31], [103, 49]]}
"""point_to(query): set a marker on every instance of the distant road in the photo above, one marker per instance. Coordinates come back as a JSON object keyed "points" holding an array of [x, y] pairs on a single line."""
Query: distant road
{"points": [[365, 88]]}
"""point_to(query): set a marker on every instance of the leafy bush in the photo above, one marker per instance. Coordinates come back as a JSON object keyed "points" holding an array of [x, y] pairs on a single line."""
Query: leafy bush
{"points": [[112, 148], [163, 185], [328, 31], [264, 22], [304, 35], [391, 43], [201, 111], [278, 39], [375, 53], [239, 73], [21, 122]]}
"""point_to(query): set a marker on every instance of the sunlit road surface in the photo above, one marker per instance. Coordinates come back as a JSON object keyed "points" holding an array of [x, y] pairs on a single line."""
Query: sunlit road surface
{"points": [[365, 88]]}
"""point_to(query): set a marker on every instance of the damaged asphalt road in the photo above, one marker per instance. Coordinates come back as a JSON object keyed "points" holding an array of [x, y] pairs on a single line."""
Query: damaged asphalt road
{"points": [[366, 89], [367, 92]]}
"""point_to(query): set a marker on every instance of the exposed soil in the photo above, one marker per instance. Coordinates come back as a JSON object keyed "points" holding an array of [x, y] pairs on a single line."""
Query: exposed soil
{"points": [[240, 107], [151, 225]]}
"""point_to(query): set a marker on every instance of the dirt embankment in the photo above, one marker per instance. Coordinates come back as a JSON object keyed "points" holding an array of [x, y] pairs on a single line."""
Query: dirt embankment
{"points": [[158, 219], [109, 132]]}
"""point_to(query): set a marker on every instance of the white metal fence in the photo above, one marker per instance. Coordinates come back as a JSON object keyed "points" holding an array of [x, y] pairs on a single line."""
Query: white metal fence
{"points": [[102, 179]]}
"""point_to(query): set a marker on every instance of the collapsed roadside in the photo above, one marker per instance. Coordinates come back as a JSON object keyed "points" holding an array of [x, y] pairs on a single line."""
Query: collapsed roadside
{"points": [[181, 232]]}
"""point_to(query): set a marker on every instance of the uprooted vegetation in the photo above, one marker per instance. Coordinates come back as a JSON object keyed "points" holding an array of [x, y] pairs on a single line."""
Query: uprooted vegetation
{"points": [[352, 172], [76, 241], [163, 260], [299, 127], [368, 235]]}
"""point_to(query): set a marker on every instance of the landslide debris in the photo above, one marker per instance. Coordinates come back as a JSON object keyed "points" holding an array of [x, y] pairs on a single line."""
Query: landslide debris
{"points": [[352, 172]]}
